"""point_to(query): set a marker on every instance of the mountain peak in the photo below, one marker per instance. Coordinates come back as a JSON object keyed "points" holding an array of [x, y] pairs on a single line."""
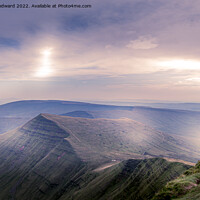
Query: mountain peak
{"points": [[42, 125]]}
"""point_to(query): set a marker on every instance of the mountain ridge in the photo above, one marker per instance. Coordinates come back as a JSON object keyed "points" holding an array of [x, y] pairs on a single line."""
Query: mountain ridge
{"points": [[110, 135], [52, 156]]}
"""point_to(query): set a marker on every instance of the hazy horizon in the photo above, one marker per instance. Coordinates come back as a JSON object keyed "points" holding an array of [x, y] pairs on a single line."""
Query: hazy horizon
{"points": [[118, 102]]}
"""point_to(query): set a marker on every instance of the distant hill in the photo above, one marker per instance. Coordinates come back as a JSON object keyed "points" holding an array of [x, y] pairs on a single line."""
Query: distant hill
{"points": [[31, 108], [9, 123], [167, 105], [78, 113], [17, 113], [55, 157], [177, 106]]}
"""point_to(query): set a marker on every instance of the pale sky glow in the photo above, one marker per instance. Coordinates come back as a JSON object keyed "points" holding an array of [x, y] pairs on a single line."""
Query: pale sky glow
{"points": [[46, 65], [194, 79], [121, 49], [180, 64], [46, 52]]}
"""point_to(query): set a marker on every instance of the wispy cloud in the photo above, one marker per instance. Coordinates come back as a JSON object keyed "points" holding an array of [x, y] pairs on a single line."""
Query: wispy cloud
{"points": [[143, 42]]}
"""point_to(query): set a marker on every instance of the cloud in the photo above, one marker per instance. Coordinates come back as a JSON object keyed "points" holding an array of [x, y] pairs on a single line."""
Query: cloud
{"points": [[8, 42], [143, 43], [112, 39]]}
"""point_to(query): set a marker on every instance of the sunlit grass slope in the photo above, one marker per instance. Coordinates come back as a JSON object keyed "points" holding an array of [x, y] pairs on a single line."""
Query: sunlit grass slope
{"points": [[185, 187]]}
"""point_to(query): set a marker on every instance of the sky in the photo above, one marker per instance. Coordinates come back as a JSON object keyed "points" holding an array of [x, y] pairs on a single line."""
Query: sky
{"points": [[116, 50]]}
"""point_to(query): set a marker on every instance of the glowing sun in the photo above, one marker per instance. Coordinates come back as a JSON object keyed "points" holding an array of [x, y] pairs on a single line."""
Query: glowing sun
{"points": [[45, 69]]}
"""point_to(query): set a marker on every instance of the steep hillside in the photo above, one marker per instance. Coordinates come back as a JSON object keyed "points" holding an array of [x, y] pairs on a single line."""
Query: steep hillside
{"points": [[185, 187], [36, 160], [130, 179]]}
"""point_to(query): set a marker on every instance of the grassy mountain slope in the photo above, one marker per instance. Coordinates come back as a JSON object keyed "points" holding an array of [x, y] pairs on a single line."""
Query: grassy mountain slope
{"points": [[185, 187], [36, 160], [46, 157], [176, 122], [120, 138], [130, 179]]}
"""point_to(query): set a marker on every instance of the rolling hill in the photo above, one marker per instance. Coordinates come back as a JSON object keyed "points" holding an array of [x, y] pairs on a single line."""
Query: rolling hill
{"points": [[31, 108], [175, 122]]}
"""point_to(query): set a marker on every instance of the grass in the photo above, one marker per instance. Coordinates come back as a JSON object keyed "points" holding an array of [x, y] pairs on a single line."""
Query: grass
{"points": [[131, 179], [184, 187]]}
